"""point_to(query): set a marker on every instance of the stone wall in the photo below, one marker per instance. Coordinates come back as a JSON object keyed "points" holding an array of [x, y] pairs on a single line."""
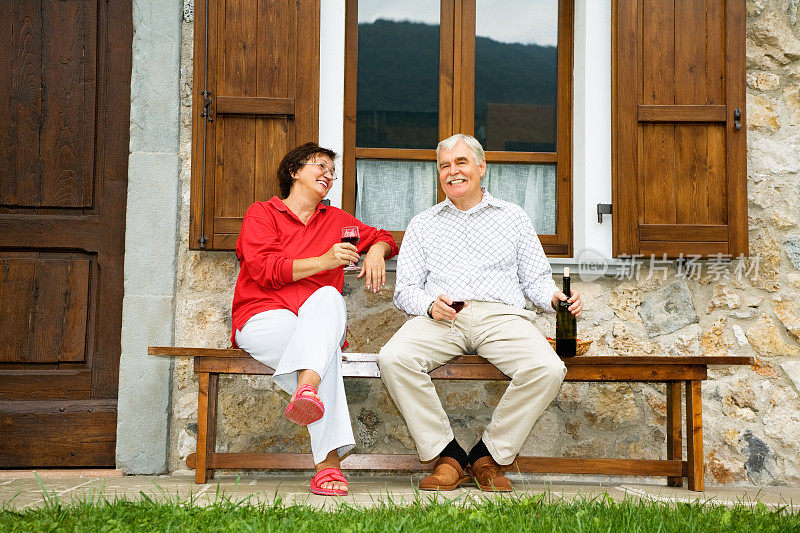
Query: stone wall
{"points": [[752, 415]]}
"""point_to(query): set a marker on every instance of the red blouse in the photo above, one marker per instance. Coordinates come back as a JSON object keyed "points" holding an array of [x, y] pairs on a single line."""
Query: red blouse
{"points": [[272, 237]]}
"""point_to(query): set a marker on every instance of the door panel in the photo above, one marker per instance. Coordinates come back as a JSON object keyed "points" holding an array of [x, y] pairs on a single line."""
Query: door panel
{"points": [[49, 296], [64, 144], [86, 433], [48, 131]]}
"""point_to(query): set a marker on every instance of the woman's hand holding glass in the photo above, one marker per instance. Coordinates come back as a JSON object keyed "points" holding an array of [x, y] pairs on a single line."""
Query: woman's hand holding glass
{"points": [[340, 254]]}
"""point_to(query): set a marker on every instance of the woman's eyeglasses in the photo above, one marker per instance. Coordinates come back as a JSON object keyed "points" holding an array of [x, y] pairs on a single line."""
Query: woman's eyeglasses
{"points": [[324, 169]]}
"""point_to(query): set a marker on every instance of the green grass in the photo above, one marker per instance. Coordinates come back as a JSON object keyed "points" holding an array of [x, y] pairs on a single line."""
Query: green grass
{"points": [[531, 513]]}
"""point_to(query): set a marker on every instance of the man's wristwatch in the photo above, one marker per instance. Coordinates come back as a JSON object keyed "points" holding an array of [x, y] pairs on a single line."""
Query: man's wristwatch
{"points": [[430, 308]]}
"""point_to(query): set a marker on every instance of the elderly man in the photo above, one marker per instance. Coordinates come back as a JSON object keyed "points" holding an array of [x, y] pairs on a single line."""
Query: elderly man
{"points": [[483, 251]]}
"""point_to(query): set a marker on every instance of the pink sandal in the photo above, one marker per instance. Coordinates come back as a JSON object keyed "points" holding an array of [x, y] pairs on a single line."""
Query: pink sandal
{"points": [[304, 410], [324, 476]]}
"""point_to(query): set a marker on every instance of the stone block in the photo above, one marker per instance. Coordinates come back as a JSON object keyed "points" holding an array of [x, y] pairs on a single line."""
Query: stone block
{"points": [[186, 406], [187, 444], [764, 81], [724, 298], [744, 314], [713, 341], [155, 76], [781, 421], [204, 320], [626, 339], [143, 404], [151, 224], [783, 219], [724, 465], [787, 311], [764, 260], [382, 297], [210, 273], [791, 95], [766, 339], [792, 248], [741, 338], [792, 369], [761, 115], [775, 37], [612, 406], [757, 452], [624, 301], [668, 309], [369, 334], [771, 156], [755, 7], [761, 194]]}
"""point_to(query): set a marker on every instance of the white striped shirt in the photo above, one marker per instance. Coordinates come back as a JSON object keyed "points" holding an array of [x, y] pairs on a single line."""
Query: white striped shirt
{"points": [[488, 253]]}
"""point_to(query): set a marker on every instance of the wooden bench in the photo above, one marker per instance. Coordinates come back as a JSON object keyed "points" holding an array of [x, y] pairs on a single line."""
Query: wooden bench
{"points": [[672, 371]]}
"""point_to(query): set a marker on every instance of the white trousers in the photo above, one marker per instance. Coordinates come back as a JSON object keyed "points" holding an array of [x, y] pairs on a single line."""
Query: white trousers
{"points": [[311, 340], [502, 334]]}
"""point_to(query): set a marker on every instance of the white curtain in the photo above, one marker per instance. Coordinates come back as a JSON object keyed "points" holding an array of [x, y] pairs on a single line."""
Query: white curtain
{"points": [[532, 187], [390, 193]]}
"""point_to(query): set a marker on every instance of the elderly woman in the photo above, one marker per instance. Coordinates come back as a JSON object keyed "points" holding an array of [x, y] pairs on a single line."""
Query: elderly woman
{"points": [[288, 310]]}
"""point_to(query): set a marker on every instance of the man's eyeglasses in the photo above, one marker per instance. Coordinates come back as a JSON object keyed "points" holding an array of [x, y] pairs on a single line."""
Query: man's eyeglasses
{"points": [[324, 169]]}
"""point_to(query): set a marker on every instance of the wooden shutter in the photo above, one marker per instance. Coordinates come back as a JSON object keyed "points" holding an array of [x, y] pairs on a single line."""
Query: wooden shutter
{"points": [[259, 60], [679, 176]]}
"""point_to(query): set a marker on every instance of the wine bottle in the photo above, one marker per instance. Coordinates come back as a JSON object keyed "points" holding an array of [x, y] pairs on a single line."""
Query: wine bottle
{"points": [[566, 324]]}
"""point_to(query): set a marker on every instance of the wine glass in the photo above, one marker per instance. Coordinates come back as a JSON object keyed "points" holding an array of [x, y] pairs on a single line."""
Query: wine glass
{"points": [[350, 234], [457, 306]]}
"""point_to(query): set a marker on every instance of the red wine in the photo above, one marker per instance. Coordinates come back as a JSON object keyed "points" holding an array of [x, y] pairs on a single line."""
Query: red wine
{"points": [[352, 240], [566, 325], [457, 306]]}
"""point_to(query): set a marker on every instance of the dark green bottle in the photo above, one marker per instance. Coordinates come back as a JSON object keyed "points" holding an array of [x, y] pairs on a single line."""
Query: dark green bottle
{"points": [[566, 324]]}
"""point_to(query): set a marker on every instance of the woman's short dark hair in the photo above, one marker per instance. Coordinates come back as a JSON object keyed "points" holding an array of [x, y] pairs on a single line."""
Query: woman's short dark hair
{"points": [[294, 159]]}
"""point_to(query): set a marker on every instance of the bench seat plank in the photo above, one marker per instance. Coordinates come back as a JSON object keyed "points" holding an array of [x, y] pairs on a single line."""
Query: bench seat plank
{"points": [[643, 372], [173, 351]]}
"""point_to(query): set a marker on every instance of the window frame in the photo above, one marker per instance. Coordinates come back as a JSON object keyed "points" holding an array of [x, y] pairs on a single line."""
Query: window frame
{"points": [[457, 110]]}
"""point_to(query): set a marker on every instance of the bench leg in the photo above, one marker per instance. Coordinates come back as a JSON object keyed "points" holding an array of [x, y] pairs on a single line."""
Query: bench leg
{"points": [[694, 436], [206, 425], [674, 439]]}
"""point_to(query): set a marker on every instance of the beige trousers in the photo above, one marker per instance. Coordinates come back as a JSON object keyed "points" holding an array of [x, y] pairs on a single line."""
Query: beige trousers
{"points": [[502, 334]]}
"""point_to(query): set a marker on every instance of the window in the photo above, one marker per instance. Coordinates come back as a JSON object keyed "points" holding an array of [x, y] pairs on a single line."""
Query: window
{"points": [[499, 70]]}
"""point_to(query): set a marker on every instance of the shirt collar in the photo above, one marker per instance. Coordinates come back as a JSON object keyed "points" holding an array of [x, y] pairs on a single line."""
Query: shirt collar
{"points": [[486, 201], [278, 204]]}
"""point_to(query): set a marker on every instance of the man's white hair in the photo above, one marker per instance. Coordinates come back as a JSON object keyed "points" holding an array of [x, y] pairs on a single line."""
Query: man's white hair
{"points": [[469, 140]]}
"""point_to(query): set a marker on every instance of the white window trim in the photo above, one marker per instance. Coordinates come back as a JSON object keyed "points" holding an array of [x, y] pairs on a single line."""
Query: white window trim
{"points": [[591, 164]]}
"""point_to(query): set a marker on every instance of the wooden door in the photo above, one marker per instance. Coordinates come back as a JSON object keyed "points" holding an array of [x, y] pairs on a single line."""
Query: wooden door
{"points": [[679, 182], [64, 121]]}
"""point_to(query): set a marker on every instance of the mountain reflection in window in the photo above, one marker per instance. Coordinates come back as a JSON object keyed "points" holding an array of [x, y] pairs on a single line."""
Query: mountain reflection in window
{"points": [[398, 90], [516, 75], [397, 103]]}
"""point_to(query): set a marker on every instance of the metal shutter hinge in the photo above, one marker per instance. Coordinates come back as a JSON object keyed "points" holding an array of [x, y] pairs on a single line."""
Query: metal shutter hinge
{"points": [[206, 112], [602, 209]]}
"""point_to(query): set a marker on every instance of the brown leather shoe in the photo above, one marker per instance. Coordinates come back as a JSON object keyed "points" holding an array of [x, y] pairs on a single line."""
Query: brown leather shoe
{"points": [[489, 476], [447, 475]]}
